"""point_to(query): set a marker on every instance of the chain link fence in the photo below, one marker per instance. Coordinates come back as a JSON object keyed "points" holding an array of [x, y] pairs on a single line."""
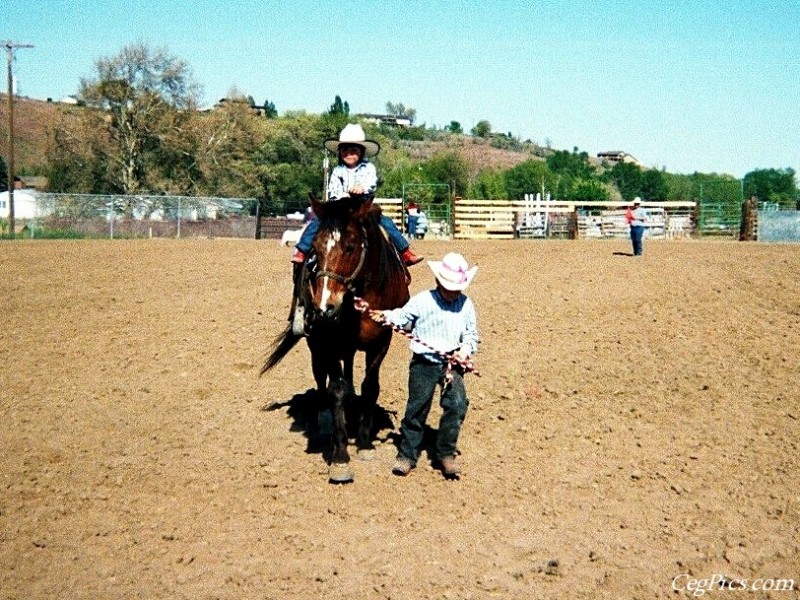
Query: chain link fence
{"points": [[778, 225], [125, 216]]}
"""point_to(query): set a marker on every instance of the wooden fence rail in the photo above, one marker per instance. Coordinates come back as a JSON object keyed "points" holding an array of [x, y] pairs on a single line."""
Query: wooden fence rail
{"points": [[509, 219]]}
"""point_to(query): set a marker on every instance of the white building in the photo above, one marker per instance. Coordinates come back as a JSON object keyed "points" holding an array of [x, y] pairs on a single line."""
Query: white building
{"points": [[25, 205]]}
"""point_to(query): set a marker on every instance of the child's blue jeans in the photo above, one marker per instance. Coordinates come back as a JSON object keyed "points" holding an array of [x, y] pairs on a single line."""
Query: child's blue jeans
{"points": [[423, 379]]}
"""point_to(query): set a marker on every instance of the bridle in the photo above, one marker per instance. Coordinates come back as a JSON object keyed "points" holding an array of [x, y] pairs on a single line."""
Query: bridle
{"points": [[348, 280]]}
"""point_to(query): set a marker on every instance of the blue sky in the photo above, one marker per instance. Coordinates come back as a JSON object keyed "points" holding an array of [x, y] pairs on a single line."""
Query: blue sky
{"points": [[709, 86]]}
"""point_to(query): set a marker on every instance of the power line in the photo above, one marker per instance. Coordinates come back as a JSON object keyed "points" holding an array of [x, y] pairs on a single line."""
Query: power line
{"points": [[10, 47]]}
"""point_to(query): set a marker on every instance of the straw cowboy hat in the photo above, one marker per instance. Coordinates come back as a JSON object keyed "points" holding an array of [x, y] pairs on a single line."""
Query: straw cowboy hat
{"points": [[453, 272], [353, 134]]}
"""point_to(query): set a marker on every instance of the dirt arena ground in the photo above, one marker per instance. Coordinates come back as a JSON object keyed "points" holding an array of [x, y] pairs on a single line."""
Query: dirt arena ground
{"points": [[635, 428]]}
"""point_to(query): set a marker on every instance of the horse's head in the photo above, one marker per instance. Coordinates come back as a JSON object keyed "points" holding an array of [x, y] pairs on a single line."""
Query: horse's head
{"points": [[341, 250]]}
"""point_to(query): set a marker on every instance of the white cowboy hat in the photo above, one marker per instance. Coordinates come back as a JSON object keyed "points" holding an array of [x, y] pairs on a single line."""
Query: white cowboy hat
{"points": [[453, 272], [353, 134], [637, 200]]}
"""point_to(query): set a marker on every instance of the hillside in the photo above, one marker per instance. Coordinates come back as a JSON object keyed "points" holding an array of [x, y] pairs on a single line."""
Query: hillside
{"points": [[33, 121], [478, 152]]}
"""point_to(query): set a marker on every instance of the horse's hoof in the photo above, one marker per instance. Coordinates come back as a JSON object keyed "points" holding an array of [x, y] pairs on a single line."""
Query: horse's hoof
{"points": [[340, 473], [367, 454]]}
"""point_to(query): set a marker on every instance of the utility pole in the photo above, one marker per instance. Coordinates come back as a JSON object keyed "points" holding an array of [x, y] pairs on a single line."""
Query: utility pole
{"points": [[325, 168], [10, 47]]}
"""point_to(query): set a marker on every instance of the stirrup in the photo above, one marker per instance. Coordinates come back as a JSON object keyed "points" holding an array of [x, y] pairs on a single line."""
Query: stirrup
{"points": [[299, 320]]}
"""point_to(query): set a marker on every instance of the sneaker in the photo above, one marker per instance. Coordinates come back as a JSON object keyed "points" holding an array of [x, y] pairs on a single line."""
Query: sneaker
{"points": [[449, 467], [409, 258], [298, 256], [402, 466]]}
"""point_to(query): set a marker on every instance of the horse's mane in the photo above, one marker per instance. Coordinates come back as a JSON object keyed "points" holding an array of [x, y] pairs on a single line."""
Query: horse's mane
{"points": [[335, 215]]}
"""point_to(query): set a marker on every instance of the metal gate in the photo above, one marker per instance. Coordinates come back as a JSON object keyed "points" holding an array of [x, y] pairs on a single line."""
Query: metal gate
{"points": [[436, 202]]}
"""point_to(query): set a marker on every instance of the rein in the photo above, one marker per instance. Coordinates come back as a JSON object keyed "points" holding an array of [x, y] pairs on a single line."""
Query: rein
{"points": [[362, 306]]}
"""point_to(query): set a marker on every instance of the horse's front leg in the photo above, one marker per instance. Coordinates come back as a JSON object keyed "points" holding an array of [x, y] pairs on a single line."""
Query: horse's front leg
{"points": [[321, 428], [339, 470]]}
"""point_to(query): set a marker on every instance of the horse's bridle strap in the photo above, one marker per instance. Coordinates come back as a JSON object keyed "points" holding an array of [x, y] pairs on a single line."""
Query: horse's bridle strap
{"points": [[347, 281]]}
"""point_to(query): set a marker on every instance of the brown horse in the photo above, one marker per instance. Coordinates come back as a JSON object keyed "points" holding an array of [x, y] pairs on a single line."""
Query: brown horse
{"points": [[351, 257]]}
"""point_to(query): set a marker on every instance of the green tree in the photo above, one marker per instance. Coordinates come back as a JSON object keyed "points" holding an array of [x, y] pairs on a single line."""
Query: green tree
{"points": [[394, 173], [627, 177], [142, 98], [289, 162], [339, 108], [530, 177], [653, 186], [400, 110], [449, 168], [78, 153], [679, 187], [777, 186], [571, 164], [488, 184], [703, 187], [228, 138], [270, 112], [455, 127], [482, 129], [589, 190]]}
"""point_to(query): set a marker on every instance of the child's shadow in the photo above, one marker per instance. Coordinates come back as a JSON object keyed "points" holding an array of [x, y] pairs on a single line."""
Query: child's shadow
{"points": [[310, 416]]}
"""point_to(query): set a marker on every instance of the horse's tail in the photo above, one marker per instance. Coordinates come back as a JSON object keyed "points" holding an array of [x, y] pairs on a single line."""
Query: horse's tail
{"points": [[280, 348]]}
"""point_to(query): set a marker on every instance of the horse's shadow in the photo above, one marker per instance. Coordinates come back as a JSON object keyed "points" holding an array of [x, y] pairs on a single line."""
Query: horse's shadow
{"points": [[314, 420]]}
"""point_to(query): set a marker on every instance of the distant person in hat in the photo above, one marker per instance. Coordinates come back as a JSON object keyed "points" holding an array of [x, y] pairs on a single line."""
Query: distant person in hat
{"points": [[636, 216], [443, 318], [354, 175], [412, 218]]}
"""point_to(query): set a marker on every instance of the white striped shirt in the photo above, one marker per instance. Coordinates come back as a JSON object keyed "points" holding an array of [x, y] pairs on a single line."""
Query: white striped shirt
{"points": [[446, 326], [343, 179]]}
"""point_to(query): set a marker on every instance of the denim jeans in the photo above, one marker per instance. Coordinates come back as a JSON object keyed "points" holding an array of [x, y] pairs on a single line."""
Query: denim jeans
{"points": [[423, 379], [412, 225], [307, 237], [637, 233]]}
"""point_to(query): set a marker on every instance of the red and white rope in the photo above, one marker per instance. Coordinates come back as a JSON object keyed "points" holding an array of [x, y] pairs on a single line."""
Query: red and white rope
{"points": [[450, 358]]}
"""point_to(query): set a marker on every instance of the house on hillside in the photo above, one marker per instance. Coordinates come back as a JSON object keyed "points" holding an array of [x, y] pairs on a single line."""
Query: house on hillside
{"points": [[256, 109], [613, 157], [31, 182], [390, 120]]}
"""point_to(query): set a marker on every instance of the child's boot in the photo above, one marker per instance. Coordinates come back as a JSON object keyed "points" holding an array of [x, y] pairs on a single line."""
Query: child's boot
{"points": [[298, 256], [409, 258]]}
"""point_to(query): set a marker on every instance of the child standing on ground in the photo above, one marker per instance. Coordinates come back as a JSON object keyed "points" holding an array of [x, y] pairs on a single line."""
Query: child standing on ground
{"points": [[445, 319], [354, 175]]}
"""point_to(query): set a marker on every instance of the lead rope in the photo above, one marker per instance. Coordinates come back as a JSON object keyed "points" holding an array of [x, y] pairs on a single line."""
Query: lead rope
{"points": [[362, 306]]}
